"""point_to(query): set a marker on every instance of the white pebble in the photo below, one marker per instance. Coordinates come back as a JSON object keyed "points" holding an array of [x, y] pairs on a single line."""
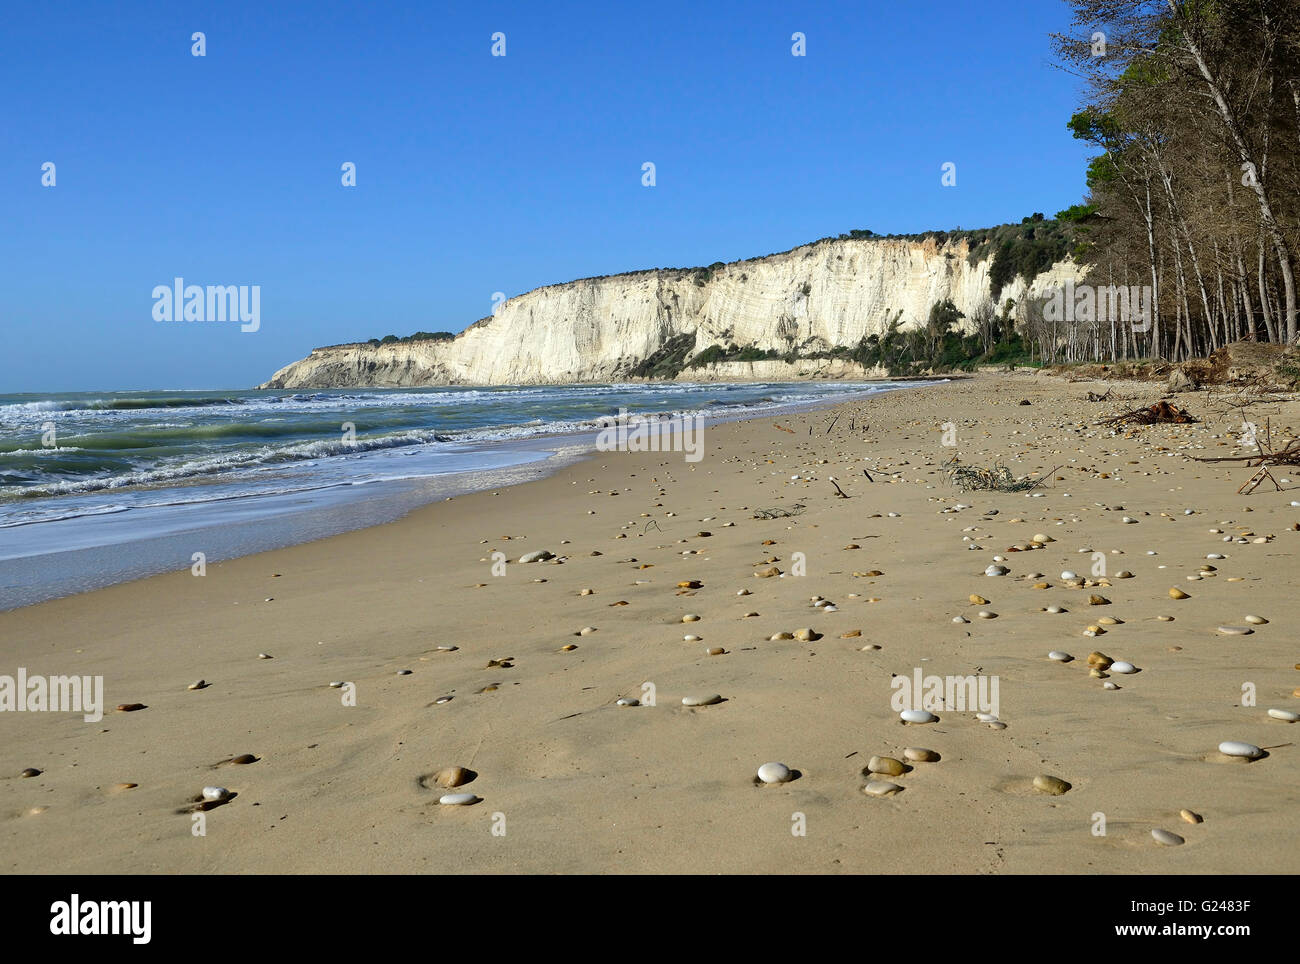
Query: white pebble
{"points": [[1286, 715], [917, 716], [457, 799], [706, 700], [1059, 656], [1122, 667], [1165, 838], [214, 794], [1238, 748], [774, 773]]}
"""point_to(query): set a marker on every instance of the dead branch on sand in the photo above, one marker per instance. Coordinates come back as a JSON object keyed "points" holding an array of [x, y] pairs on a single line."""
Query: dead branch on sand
{"points": [[1161, 413]]}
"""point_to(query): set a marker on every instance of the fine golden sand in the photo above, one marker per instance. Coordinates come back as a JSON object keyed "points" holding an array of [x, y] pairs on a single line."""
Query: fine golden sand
{"points": [[569, 781]]}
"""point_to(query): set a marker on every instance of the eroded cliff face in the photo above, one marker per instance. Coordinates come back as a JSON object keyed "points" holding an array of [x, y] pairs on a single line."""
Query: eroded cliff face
{"points": [[813, 298]]}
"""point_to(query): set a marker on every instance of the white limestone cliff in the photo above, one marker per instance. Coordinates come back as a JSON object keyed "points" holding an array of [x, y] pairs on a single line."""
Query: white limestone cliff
{"points": [[813, 298]]}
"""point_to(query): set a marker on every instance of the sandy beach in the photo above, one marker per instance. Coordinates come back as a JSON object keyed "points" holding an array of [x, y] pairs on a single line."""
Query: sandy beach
{"points": [[569, 781]]}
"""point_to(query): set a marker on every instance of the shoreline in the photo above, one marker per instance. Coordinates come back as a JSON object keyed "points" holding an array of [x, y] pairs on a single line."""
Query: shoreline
{"points": [[111, 549], [586, 785]]}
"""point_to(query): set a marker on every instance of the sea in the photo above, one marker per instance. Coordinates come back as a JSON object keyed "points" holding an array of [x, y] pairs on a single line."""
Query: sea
{"points": [[101, 487]]}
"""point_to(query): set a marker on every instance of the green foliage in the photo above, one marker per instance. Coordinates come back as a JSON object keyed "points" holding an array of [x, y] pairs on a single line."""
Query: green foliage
{"points": [[668, 361], [716, 353]]}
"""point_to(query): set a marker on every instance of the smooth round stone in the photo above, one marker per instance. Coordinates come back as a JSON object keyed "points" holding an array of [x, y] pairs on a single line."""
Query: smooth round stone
{"points": [[1052, 785], [629, 701], [690, 618], [457, 799], [1055, 610], [403, 672], [986, 717], [538, 555], [1123, 574], [774, 773], [977, 600], [1238, 748], [1190, 816], [885, 765], [1069, 574], [1122, 667], [806, 635], [881, 788], [1216, 555], [692, 639], [707, 699], [1059, 656], [336, 684], [1109, 621], [215, 794], [198, 685], [1236, 630], [776, 637], [1042, 538], [714, 651], [919, 754], [586, 630], [1257, 620], [30, 772], [1176, 593], [996, 571], [960, 619], [1166, 839], [985, 614], [451, 777], [1285, 715], [917, 716], [1109, 685]]}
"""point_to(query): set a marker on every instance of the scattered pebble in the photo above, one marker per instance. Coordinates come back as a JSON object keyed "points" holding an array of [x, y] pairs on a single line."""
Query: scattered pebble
{"points": [[1238, 748], [1166, 839], [1052, 785], [917, 716], [706, 700], [919, 754], [457, 799], [774, 773], [881, 788]]}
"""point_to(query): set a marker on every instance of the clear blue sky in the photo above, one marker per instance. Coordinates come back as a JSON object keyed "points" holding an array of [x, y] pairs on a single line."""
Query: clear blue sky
{"points": [[475, 173]]}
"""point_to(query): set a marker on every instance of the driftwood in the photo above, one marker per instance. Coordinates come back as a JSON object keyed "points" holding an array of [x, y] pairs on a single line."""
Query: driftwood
{"points": [[779, 513], [1161, 413], [999, 478], [1264, 456]]}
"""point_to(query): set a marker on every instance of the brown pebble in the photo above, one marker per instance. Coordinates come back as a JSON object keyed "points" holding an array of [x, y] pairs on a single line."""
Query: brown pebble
{"points": [[1190, 816], [242, 759], [30, 772], [129, 707], [690, 584], [851, 634], [716, 651], [1051, 785], [454, 776], [568, 648]]}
